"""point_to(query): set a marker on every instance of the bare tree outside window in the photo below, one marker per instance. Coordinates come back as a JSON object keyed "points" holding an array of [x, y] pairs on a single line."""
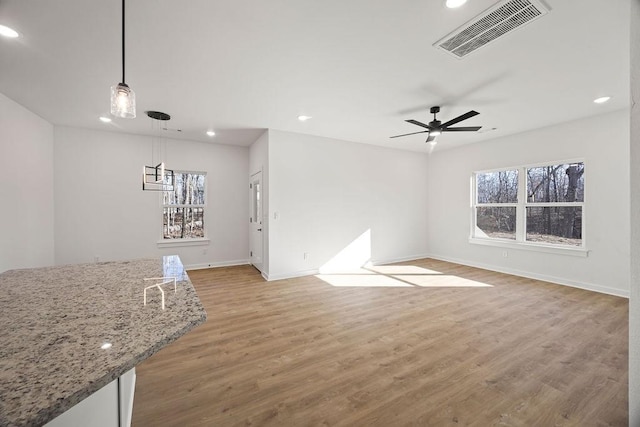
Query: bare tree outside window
{"points": [[549, 211], [496, 194], [555, 194], [498, 187], [556, 183], [183, 208]]}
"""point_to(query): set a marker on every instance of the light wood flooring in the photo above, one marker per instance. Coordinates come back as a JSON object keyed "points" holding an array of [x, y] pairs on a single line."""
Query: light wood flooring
{"points": [[431, 344]]}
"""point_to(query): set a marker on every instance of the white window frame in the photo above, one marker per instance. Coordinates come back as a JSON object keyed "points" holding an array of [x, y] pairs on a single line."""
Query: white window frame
{"points": [[187, 241], [521, 207]]}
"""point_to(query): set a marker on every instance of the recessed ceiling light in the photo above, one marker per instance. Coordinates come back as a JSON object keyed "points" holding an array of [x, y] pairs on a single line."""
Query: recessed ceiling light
{"points": [[8, 32], [105, 119], [304, 118], [106, 345], [451, 4], [602, 99], [211, 133]]}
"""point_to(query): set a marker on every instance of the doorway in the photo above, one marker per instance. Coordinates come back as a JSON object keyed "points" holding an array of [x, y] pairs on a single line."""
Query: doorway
{"points": [[256, 243]]}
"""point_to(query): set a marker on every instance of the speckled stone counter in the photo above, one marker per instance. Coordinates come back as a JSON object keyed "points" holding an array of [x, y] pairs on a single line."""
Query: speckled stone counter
{"points": [[55, 321]]}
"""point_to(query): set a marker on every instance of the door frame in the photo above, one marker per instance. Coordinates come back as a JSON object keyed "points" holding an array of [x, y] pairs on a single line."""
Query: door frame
{"points": [[259, 215]]}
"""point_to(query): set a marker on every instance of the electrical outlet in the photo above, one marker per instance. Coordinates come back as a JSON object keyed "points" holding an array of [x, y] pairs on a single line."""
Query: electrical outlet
{"points": [[505, 254], [306, 255], [96, 258]]}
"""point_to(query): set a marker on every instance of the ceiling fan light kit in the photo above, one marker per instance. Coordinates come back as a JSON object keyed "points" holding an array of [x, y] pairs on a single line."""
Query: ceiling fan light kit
{"points": [[123, 99], [436, 127]]}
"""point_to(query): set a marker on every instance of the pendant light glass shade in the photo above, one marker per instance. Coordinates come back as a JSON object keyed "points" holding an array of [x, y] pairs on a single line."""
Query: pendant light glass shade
{"points": [[123, 101]]}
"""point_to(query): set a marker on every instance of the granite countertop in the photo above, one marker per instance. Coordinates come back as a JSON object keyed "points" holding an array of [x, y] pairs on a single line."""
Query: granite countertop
{"points": [[55, 321]]}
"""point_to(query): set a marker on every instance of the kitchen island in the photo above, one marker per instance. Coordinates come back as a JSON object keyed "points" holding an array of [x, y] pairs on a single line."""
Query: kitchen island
{"points": [[67, 332]]}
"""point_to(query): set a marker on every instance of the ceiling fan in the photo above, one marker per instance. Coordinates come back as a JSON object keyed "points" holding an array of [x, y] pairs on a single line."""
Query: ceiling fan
{"points": [[435, 127]]}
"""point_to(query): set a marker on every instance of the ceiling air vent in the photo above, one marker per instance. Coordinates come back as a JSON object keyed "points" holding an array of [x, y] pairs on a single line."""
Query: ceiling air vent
{"points": [[493, 23]]}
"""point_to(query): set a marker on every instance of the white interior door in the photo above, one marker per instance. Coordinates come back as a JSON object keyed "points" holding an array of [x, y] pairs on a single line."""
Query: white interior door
{"points": [[255, 186]]}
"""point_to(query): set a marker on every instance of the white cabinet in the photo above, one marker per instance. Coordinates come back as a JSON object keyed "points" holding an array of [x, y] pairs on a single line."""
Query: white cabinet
{"points": [[102, 408]]}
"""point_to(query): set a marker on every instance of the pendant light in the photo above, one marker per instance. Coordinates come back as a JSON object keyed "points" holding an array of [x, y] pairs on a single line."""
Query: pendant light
{"points": [[123, 99], [157, 178]]}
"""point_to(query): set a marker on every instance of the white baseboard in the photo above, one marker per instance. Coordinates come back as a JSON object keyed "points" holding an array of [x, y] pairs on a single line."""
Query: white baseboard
{"points": [[216, 264], [402, 259], [282, 276], [290, 275], [547, 278], [544, 277]]}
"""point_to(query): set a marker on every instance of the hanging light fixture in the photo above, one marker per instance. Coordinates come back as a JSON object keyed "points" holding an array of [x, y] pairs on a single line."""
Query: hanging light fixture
{"points": [[157, 177], [123, 99]]}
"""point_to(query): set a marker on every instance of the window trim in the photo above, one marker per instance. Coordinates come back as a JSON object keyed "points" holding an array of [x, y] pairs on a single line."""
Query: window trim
{"points": [[171, 243], [187, 241], [521, 206], [531, 246]]}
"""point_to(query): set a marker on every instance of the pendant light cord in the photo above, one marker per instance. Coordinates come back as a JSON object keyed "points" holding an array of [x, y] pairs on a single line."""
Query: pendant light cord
{"points": [[123, 81]]}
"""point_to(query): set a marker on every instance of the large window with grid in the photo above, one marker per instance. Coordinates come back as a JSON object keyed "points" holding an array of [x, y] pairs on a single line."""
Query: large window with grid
{"points": [[183, 208], [538, 205]]}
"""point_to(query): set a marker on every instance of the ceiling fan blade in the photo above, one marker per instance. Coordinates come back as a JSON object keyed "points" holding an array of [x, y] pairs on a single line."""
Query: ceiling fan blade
{"points": [[431, 138], [415, 122], [407, 134], [458, 119], [462, 129]]}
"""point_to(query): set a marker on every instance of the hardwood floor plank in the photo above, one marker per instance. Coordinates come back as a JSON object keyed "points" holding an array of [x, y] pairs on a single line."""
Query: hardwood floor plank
{"points": [[443, 344]]}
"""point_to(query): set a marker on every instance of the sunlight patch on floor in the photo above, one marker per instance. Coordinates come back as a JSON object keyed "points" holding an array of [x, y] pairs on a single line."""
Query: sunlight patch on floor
{"points": [[397, 276], [352, 267], [354, 256], [363, 281], [349, 271], [400, 269]]}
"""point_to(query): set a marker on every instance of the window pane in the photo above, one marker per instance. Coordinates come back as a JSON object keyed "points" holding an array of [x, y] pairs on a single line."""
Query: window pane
{"points": [[497, 187], [496, 222], [557, 225], [556, 183], [183, 223], [256, 214], [188, 190]]}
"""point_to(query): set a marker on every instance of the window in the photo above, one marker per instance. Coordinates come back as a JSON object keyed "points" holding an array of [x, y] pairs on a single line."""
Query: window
{"points": [[497, 201], [539, 205], [183, 208], [555, 198]]}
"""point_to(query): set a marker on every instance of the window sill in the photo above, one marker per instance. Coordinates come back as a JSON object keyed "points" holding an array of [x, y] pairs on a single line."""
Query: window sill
{"points": [[559, 250], [173, 243]]}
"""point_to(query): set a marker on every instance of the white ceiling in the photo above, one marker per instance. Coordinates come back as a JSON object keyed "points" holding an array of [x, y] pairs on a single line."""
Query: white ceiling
{"points": [[358, 67]]}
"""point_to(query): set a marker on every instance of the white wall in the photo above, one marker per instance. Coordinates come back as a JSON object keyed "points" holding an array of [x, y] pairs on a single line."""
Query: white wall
{"points": [[634, 301], [259, 161], [101, 210], [26, 191], [602, 141], [327, 193]]}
